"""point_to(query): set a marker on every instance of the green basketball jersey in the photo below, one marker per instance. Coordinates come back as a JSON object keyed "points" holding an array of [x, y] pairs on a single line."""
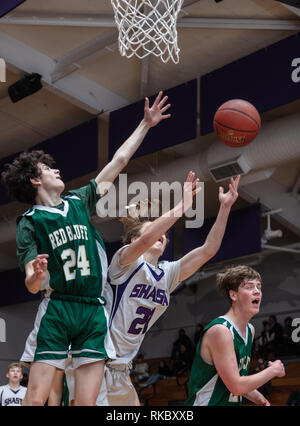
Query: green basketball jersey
{"points": [[77, 261], [206, 386]]}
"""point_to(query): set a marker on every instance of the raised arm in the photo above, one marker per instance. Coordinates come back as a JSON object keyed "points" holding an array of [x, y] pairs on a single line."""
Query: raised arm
{"points": [[193, 260], [220, 344], [36, 271], [160, 226], [152, 116]]}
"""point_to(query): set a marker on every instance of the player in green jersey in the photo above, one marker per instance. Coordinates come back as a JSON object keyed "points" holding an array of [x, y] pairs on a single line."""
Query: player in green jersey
{"points": [[61, 251], [219, 374]]}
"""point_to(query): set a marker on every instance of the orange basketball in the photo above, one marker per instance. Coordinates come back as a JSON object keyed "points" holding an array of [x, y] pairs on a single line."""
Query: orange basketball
{"points": [[237, 122]]}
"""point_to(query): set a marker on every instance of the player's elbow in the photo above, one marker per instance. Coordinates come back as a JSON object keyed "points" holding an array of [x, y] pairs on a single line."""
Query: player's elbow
{"points": [[234, 389], [237, 388], [209, 251]]}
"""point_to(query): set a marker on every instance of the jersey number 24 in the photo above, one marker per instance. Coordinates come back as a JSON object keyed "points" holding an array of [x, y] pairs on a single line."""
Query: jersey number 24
{"points": [[71, 264]]}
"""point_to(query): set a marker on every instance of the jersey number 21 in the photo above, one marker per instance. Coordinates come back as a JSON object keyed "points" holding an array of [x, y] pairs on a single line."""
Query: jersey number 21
{"points": [[143, 321]]}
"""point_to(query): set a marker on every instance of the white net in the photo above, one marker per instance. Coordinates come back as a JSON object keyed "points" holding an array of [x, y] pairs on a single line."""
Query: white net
{"points": [[148, 26]]}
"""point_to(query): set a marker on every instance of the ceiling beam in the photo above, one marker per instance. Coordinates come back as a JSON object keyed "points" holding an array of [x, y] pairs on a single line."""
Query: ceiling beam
{"points": [[184, 22], [76, 88], [243, 24], [51, 19], [293, 9], [70, 61]]}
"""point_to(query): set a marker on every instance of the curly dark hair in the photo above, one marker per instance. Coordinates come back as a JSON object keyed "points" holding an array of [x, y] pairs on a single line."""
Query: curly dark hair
{"points": [[233, 277], [16, 176]]}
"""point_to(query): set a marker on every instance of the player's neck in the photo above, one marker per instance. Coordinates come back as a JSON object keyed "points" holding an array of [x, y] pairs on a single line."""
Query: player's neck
{"points": [[13, 385], [239, 319], [153, 260], [48, 198]]}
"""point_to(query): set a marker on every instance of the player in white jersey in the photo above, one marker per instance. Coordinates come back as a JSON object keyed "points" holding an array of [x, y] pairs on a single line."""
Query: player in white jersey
{"points": [[140, 287], [13, 393]]}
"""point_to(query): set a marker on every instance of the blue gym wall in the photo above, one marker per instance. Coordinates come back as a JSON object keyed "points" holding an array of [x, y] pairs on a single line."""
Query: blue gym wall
{"points": [[180, 127], [75, 152], [242, 235], [7, 6]]}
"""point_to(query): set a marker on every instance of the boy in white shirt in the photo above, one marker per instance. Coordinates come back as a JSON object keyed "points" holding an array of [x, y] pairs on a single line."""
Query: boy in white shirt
{"points": [[13, 393]]}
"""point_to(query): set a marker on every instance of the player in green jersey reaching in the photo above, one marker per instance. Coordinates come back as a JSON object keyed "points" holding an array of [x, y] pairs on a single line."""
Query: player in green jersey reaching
{"points": [[61, 252], [219, 374]]}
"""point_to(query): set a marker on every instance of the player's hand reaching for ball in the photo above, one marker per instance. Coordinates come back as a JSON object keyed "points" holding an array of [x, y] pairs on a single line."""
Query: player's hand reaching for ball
{"points": [[153, 115], [190, 189], [228, 198]]}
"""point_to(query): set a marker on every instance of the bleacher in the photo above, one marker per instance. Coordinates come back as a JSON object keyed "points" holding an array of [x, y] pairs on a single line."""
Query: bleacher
{"points": [[169, 391], [281, 388]]}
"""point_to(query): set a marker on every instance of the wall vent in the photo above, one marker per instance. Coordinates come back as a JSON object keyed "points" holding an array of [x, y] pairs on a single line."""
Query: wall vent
{"points": [[226, 170]]}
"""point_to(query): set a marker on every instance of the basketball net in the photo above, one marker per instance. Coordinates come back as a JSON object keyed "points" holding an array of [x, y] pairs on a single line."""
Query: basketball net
{"points": [[148, 26]]}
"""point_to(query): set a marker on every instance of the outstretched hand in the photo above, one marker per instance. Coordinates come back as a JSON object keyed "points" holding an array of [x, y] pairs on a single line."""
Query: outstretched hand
{"points": [[155, 114], [190, 189], [228, 198]]}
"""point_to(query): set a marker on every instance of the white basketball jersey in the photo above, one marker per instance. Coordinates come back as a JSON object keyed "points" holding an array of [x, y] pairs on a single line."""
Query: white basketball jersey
{"points": [[11, 397], [137, 295]]}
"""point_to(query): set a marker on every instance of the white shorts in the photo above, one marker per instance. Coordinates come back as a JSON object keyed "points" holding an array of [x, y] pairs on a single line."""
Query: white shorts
{"points": [[118, 386]]}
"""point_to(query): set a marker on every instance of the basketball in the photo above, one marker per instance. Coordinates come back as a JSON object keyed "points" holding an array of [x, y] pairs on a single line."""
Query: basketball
{"points": [[237, 122]]}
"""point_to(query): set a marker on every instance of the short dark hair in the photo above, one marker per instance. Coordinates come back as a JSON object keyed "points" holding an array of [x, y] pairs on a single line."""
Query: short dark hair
{"points": [[16, 176], [233, 277]]}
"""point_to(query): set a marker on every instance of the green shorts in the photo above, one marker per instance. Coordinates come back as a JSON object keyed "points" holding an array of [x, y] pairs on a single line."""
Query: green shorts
{"points": [[71, 327]]}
